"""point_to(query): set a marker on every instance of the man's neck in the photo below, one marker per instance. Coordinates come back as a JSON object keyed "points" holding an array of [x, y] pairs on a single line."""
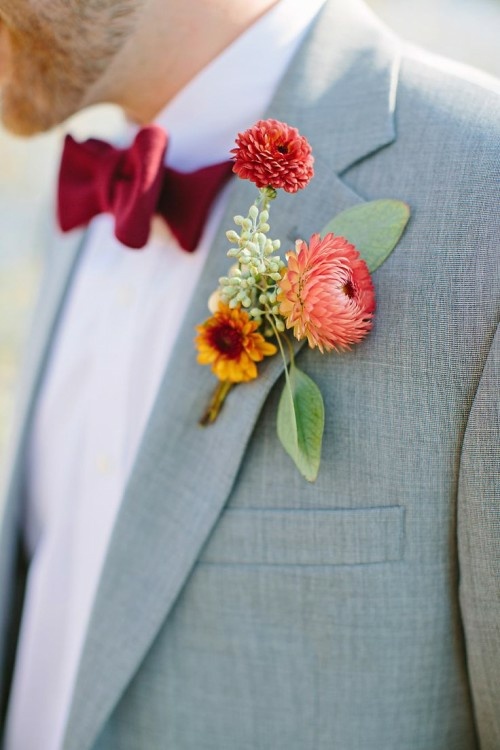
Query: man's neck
{"points": [[172, 43]]}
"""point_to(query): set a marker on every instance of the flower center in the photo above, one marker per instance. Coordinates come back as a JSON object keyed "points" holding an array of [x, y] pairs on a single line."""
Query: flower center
{"points": [[348, 289], [227, 340], [282, 148]]}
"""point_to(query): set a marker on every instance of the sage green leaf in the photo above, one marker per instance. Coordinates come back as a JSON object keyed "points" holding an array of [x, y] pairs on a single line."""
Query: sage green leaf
{"points": [[301, 420], [374, 228]]}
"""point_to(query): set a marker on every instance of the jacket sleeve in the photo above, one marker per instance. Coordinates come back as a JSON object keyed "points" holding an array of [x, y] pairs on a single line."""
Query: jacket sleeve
{"points": [[479, 549]]}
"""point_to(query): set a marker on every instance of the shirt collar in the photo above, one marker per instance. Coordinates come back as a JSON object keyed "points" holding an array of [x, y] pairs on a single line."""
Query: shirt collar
{"points": [[235, 89]]}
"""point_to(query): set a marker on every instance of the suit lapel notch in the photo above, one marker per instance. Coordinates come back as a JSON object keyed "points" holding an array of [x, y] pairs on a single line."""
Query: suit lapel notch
{"points": [[344, 81]]}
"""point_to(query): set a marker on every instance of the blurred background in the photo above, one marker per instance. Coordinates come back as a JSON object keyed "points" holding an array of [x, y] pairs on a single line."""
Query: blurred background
{"points": [[465, 30]]}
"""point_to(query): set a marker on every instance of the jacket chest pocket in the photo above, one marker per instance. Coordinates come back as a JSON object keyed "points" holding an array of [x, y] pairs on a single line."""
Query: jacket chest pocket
{"points": [[306, 537]]}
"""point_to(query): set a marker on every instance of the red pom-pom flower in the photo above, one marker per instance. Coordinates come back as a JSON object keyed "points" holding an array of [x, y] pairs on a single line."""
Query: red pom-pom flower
{"points": [[273, 154]]}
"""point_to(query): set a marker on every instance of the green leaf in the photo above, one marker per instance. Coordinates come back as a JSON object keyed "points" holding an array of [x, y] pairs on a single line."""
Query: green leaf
{"points": [[301, 420], [374, 228]]}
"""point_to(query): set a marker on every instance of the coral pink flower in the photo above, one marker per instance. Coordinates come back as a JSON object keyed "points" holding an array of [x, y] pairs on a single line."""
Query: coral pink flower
{"points": [[326, 294], [273, 154]]}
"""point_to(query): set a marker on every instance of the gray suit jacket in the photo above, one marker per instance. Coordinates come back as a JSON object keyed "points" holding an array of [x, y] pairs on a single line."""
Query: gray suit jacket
{"points": [[241, 608]]}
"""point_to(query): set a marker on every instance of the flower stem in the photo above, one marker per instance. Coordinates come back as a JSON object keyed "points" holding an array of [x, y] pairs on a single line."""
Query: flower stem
{"points": [[215, 404], [282, 351], [292, 353], [266, 195]]}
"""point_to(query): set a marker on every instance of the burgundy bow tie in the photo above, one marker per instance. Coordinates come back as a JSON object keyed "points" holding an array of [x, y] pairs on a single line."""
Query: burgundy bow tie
{"points": [[133, 184]]}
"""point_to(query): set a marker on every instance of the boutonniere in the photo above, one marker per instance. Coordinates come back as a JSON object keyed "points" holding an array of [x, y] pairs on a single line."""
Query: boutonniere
{"points": [[322, 291]]}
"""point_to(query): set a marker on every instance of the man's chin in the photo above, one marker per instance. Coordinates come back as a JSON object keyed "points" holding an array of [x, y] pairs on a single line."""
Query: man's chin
{"points": [[20, 127], [21, 120]]}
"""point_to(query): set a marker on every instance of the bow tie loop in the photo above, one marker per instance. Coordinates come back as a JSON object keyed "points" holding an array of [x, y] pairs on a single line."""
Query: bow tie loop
{"points": [[133, 184], [97, 178]]}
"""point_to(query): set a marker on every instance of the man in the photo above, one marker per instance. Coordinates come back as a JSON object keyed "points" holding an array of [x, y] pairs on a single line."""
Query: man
{"points": [[186, 588]]}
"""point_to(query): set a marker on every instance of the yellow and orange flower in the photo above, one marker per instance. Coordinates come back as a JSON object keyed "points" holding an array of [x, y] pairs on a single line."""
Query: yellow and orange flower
{"points": [[229, 342], [326, 294]]}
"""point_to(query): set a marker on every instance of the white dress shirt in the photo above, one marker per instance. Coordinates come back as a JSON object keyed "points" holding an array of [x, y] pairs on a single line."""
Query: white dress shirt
{"points": [[117, 332]]}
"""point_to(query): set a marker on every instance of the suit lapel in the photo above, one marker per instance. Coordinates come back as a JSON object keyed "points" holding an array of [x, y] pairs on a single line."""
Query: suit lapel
{"points": [[56, 281], [184, 474], [54, 285]]}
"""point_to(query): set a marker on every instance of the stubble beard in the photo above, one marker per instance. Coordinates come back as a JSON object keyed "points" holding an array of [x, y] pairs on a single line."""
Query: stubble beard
{"points": [[56, 60]]}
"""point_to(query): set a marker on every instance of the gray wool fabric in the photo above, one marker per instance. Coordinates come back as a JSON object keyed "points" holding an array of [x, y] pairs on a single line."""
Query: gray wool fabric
{"points": [[241, 607]]}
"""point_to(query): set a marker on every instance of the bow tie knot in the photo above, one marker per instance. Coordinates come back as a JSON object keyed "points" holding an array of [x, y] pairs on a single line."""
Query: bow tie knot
{"points": [[133, 184]]}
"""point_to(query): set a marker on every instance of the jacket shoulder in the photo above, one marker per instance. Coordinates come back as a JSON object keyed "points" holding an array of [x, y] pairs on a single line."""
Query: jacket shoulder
{"points": [[449, 94], [448, 114]]}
